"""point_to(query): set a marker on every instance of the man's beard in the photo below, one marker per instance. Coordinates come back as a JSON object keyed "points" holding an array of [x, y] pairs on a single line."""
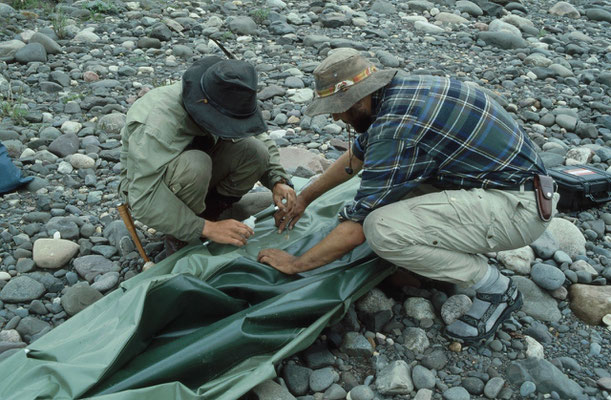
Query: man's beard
{"points": [[361, 120]]}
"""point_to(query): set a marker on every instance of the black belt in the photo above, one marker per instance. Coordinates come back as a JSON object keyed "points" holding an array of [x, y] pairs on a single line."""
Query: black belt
{"points": [[529, 186]]}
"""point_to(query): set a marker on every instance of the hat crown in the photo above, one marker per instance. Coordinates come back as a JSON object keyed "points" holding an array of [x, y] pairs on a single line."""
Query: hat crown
{"points": [[342, 65], [231, 87]]}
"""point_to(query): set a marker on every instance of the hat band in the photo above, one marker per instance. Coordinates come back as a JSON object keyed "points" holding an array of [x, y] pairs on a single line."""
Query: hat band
{"points": [[344, 85], [222, 109]]}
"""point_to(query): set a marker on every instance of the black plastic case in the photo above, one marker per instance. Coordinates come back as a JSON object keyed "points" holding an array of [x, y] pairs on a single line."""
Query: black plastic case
{"points": [[581, 186]]}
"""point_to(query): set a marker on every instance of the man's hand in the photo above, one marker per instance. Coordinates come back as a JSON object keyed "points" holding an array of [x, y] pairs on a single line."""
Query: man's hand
{"points": [[288, 219], [228, 231], [282, 191], [281, 260]]}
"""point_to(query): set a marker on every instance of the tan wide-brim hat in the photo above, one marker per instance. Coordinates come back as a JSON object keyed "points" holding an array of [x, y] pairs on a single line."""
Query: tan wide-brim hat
{"points": [[344, 78]]}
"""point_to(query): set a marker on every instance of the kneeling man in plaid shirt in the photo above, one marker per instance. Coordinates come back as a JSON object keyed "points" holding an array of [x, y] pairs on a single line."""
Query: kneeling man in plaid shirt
{"points": [[447, 175]]}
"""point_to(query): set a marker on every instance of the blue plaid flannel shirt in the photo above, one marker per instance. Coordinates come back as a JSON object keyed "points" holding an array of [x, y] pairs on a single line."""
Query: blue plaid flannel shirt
{"points": [[440, 131]]}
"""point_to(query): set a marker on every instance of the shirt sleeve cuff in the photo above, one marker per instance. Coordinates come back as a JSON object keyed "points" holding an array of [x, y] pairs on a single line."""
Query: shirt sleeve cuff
{"points": [[352, 213]]}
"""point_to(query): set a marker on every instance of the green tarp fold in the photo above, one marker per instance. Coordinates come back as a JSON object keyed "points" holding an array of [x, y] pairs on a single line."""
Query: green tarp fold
{"points": [[210, 322]]}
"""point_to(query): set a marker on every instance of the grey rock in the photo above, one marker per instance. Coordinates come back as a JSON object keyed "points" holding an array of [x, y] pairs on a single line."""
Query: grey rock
{"points": [[456, 393], [394, 379], [182, 51], [383, 7], [361, 392], [567, 122], [112, 123], [420, 5], [30, 53], [65, 145], [335, 392], [161, 31], [271, 390], [78, 297], [93, 265], [333, 20], [356, 345], [502, 39], [30, 326], [422, 378], [598, 14], [473, 385], [568, 236], [242, 25], [50, 45], [60, 78], [437, 359], [545, 376], [537, 303], [545, 246], [547, 276], [455, 307], [419, 308], [415, 339], [149, 43], [321, 379], [51, 283], [106, 282], [469, 7], [21, 289], [9, 48], [493, 387], [318, 356], [67, 228], [388, 59], [6, 10], [297, 378]]}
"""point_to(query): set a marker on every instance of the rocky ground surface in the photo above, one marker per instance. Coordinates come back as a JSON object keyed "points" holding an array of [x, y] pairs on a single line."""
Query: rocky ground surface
{"points": [[70, 72]]}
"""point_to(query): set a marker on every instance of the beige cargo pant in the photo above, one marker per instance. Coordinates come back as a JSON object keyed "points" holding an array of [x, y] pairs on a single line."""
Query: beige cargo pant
{"points": [[231, 167], [442, 234]]}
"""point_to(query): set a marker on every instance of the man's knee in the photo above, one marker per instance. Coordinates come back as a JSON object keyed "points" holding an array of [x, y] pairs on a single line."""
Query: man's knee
{"points": [[190, 168], [256, 155], [376, 231]]}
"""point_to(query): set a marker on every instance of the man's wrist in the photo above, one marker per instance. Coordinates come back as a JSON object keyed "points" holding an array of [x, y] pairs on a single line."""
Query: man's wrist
{"points": [[285, 182]]}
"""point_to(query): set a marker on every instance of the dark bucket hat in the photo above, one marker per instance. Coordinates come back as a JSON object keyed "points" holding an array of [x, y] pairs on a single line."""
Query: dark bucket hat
{"points": [[344, 78], [221, 97]]}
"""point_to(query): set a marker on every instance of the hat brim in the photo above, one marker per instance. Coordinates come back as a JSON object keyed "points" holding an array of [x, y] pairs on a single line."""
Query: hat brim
{"points": [[208, 117], [343, 100]]}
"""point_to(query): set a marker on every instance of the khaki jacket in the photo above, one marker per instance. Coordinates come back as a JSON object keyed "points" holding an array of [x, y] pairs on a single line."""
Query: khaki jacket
{"points": [[157, 129]]}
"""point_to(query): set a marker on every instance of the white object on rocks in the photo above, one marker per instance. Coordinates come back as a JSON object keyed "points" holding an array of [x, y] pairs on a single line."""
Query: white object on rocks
{"points": [[395, 378], [64, 167], [81, 161], [419, 308], [301, 95], [499, 26], [293, 157], [579, 155], [568, 236], [53, 253], [564, 9], [449, 18], [534, 349], [4, 276], [86, 35], [427, 27], [517, 260], [455, 307], [71, 127]]}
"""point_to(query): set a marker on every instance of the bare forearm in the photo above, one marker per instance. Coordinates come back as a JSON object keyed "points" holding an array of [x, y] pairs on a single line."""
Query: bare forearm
{"points": [[345, 237], [335, 175]]}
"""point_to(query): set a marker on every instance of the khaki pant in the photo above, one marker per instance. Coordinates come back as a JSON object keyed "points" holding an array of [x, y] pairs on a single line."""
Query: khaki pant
{"points": [[231, 167], [442, 234]]}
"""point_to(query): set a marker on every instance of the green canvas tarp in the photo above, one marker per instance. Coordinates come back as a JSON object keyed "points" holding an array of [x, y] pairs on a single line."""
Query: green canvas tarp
{"points": [[210, 322]]}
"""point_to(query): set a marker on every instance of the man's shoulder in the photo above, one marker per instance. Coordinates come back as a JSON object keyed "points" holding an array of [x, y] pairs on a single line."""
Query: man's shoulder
{"points": [[157, 101]]}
